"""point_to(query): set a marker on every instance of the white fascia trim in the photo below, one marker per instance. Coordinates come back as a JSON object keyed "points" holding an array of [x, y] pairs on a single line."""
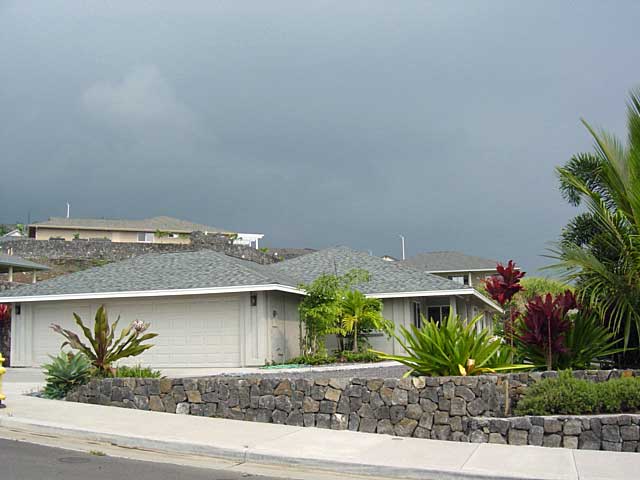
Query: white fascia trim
{"points": [[466, 270], [252, 236], [438, 293], [153, 293]]}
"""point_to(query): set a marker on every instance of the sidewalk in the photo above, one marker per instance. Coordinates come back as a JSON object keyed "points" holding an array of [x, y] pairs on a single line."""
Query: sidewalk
{"points": [[338, 451]]}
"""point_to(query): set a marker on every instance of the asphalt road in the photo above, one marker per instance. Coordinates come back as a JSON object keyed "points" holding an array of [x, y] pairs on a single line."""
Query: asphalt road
{"points": [[26, 461]]}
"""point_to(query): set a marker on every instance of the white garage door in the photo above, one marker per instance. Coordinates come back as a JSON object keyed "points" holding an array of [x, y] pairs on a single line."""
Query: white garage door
{"points": [[192, 331]]}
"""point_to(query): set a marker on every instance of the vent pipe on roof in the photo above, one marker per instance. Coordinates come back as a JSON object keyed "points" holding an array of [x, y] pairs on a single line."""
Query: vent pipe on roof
{"points": [[68, 209], [402, 238]]}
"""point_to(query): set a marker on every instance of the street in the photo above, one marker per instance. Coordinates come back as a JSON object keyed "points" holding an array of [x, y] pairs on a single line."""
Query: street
{"points": [[26, 461]]}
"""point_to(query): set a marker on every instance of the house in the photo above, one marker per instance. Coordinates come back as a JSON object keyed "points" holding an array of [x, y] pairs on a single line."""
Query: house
{"points": [[149, 230], [14, 233], [455, 266], [10, 264], [213, 310]]}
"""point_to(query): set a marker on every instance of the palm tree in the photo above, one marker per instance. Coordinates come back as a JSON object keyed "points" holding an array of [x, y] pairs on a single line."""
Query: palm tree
{"points": [[603, 257], [360, 312]]}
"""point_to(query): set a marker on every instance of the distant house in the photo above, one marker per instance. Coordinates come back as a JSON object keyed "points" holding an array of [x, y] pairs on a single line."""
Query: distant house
{"points": [[458, 267], [149, 230]]}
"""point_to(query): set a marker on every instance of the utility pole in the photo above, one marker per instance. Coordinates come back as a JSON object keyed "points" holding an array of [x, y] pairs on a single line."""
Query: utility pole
{"points": [[402, 238]]}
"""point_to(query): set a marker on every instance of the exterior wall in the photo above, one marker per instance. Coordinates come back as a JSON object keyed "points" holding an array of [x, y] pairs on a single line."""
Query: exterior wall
{"points": [[194, 331], [284, 326], [465, 409], [44, 233]]}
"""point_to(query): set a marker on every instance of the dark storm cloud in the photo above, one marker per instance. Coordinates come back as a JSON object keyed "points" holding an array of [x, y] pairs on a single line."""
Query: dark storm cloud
{"points": [[317, 123]]}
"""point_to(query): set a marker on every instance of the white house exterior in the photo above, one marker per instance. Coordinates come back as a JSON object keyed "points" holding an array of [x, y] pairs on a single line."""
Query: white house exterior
{"points": [[212, 310]]}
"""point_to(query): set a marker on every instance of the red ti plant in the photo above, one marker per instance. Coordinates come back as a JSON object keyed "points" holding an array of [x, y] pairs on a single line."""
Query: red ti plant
{"points": [[5, 312], [545, 324], [503, 286]]}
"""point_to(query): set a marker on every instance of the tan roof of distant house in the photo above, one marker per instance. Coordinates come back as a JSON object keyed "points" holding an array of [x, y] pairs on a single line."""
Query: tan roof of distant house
{"points": [[165, 224]]}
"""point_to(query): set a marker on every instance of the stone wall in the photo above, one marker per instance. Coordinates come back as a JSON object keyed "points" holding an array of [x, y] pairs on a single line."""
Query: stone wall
{"points": [[469, 409], [99, 249]]}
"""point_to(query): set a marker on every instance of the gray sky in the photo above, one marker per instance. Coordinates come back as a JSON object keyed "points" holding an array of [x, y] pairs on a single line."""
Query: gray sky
{"points": [[317, 123]]}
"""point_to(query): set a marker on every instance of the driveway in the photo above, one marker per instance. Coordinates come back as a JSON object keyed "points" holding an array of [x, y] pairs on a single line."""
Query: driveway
{"points": [[22, 380]]}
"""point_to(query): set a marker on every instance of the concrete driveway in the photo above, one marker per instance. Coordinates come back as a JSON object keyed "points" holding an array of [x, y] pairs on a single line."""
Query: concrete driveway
{"points": [[22, 380]]}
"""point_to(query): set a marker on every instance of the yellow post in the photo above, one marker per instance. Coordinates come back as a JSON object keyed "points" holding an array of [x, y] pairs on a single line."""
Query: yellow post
{"points": [[2, 372]]}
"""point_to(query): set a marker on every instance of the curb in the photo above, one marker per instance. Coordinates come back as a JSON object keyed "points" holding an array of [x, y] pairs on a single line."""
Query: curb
{"points": [[247, 455]]}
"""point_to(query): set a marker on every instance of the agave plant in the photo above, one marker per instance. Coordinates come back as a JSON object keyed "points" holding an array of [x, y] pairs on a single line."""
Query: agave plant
{"points": [[65, 372], [451, 348], [104, 348]]}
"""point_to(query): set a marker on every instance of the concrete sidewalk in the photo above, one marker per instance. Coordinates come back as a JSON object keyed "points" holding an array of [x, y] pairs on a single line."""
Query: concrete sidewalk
{"points": [[337, 451]]}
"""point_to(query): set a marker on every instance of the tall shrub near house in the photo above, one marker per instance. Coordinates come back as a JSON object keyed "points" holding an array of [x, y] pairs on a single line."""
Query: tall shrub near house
{"points": [[104, 347], [333, 307]]}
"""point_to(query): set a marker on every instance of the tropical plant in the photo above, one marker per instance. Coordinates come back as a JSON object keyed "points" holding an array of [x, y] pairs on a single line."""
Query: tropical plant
{"points": [[503, 286], [540, 286], [5, 312], [359, 314], [585, 341], [321, 310], [65, 372], [542, 330], [104, 348], [603, 256], [451, 348], [567, 395]]}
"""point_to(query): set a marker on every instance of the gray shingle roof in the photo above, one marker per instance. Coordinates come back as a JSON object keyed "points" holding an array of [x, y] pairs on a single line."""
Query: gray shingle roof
{"points": [[165, 224], [209, 269], [19, 264], [386, 277], [156, 271], [454, 261]]}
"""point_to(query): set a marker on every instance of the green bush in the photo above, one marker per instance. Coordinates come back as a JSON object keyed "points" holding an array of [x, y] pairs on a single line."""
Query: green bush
{"points": [[64, 373], [451, 348], [566, 395], [338, 357], [137, 371]]}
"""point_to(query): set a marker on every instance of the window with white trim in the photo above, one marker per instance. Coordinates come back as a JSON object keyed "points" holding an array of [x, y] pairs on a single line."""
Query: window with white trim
{"points": [[145, 237], [437, 312], [461, 279]]}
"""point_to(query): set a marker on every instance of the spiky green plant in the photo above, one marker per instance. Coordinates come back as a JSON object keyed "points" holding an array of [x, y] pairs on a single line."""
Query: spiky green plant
{"points": [[64, 373], [451, 348], [104, 347]]}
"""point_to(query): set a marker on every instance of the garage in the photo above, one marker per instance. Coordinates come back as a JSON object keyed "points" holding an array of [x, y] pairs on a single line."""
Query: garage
{"points": [[193, 331]]}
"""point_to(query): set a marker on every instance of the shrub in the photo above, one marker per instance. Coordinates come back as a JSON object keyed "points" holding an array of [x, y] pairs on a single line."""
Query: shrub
{"points": [[451, 348], [137, 371], [65, 372], [339, 357], [102, 350], [541, 332], [567, 395]]}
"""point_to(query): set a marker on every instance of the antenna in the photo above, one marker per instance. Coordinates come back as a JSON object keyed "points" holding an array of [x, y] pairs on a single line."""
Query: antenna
{"points": [[402, 238], [68, 209]]}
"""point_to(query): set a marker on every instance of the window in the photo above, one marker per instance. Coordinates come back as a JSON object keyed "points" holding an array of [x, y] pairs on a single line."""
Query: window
{"points": [[145, 237], [461, 279], [417, 314], [437, 312]]}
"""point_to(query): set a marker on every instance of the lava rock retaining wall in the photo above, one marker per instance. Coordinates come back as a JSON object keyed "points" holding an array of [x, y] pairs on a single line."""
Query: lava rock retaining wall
{"points": [[99, 249], [467, 409]]}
